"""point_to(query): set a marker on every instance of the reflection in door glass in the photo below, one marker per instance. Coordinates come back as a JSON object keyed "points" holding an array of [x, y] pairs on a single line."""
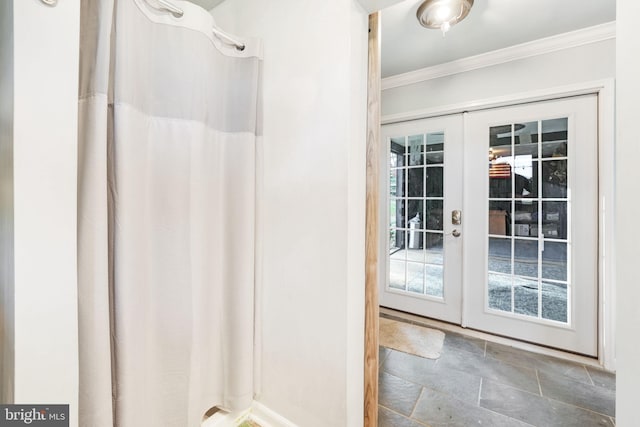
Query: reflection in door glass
{"points": [[415, 182], [554, 137], [416, 190], [434, 275], [415, 277], [415, 150], [528, 232], [526, 140], [525, 257], [433, 244], [500, 292], [525, 296], [554, 301], [397, 274], [500, 255], [554, 179], [554, 261]]}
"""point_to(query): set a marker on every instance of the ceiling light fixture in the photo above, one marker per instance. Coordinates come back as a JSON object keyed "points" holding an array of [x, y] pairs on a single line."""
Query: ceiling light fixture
{"points": [[443, 14]]}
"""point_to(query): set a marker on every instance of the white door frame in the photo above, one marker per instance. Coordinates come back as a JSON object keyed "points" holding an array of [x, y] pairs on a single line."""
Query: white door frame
{"points": [[605, 89]]}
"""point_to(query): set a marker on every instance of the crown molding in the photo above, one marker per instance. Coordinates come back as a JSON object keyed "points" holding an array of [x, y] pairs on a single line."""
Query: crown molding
{"points": [[555, 43]]}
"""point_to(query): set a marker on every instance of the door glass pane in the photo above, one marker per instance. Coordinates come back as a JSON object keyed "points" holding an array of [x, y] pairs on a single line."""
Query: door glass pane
{"points": [[415, 150], [435, 184], [397, 152], [397, 180], [526, 140], [554, 301], [416, 205], [392, 238], [434, 158], [554, 261], [525, 216], [500, 179], [554, 220], [435, 142], [500, 255], [500, 146], [415, 214], [435, 147], [433, 245], [397, 244], [393, 206], [415, 187], [398, 209], [525, 259], [554, 179], [525, 296], [415, 250], [434, 214], [435, 280], [528, 237], [415, 277], [525, 174], [395, 160], [554, 137], [500, 292], [397, 274], [500, 140], [500, 218]]}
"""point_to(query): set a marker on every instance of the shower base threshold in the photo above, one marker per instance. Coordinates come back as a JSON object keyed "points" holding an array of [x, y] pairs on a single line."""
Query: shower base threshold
{"points": [[257, 415]]}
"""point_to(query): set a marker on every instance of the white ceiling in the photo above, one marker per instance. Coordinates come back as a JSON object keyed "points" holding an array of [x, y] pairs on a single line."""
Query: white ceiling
{"points": [[491, 25]]}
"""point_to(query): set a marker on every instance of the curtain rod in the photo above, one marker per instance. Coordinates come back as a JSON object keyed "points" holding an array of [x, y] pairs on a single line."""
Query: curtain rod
{"points": [[178, 13]]}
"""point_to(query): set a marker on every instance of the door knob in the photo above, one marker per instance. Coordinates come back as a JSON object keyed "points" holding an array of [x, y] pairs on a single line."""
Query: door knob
{"points": [[454, 233]]}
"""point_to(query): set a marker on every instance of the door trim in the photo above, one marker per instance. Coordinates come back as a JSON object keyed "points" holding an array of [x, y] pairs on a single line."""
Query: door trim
{"points": [[586, 88], [605, 89]]}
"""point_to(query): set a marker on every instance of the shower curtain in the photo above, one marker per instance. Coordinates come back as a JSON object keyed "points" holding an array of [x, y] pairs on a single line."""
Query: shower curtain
{"points": [[167, 131]]}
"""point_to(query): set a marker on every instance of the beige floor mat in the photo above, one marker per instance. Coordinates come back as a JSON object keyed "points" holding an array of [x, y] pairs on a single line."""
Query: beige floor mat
{"points": [[413, 339]]}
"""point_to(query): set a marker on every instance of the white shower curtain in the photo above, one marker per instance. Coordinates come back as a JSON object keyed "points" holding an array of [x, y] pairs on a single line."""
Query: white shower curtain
{"points": [[168, 127]]}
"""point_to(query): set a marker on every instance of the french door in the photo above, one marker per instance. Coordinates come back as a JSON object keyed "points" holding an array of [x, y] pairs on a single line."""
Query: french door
{"points": [[492, 221], [421, 245]]}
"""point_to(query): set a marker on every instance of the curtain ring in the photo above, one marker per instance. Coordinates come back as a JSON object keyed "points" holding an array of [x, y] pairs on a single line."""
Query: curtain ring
{"points": [[51, 3]]}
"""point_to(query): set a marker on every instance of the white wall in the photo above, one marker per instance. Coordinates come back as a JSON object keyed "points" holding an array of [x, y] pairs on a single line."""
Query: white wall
{"points": [[313, 204], [586, 63], [6, 203], [627, 208], [45, 70], [356, 202]]}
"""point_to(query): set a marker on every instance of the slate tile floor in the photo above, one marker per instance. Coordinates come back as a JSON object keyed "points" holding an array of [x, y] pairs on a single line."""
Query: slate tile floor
{"points": [[479, 383]]}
